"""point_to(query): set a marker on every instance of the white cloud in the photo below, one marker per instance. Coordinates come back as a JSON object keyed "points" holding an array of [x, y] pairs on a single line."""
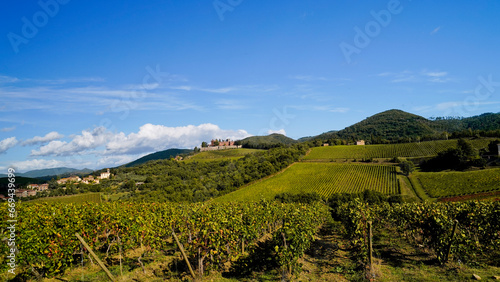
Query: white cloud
{"points": [[152, 138], [439, 77], [149, 138], [8, 79], [38, 164], [436, 74], [308, 77], [112, 161], [67, 95], [435, 30], [8, 129], [221, 90], [280, 131], [339, 110], [460, 107], [228, 89], [86, 141], [40, 140], [182, 87], [226, 104], [69, 80], [410, 76], [325, 108], [7, 143]]}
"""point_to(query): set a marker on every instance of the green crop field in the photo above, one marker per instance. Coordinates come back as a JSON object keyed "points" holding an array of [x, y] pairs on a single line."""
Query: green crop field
{"points": [[322, 178], [447, 184], [422, 149], [222, 154], [79, 198]]}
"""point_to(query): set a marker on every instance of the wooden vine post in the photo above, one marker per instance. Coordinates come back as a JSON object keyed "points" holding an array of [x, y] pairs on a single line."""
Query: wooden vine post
{"points": [[370, 248], [184, 254], [452, 236], [95, 257]]}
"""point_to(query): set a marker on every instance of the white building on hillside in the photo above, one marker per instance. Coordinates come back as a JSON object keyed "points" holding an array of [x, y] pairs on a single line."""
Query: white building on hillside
{"points": [[105, 175]]}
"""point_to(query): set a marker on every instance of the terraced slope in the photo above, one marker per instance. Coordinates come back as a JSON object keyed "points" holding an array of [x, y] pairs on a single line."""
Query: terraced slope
{"points": [[457, 183], [322, 178], [422, 149]]}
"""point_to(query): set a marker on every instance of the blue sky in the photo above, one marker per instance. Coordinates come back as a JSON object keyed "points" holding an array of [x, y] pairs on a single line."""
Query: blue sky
{"points": [[100, 83]]}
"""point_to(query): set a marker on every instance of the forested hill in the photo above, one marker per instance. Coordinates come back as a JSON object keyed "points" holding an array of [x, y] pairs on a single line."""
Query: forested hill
{"points": [[194, 181], [397, 125], [162, 155], [266, 142], [390, 125], [487, 122]]}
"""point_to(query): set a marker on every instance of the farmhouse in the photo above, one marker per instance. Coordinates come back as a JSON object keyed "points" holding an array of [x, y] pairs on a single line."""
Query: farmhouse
{"points": [[105, 175], [90, 180], [38, 187], [69, 179], [360, 142], [22, 193]]}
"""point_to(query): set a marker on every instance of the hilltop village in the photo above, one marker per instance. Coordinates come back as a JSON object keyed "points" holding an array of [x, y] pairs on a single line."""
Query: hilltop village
{"points": [[33, 189]]}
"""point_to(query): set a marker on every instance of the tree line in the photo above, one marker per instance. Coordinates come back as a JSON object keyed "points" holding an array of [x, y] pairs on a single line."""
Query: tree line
{"points": [[171, 180]]}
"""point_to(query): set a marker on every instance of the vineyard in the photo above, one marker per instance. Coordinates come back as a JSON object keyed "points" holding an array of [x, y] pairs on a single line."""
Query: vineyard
{"points": [[215, 235], [324, 179], [87, 197], [470, 232], [448, 184], [212, 235], [422, 149], [222, 154]]}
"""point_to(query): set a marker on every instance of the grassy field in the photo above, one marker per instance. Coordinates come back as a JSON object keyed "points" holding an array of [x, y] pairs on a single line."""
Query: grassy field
{"points": [[322, 178], [454, 183], [422, 149], [221, 154], [79, 198]]}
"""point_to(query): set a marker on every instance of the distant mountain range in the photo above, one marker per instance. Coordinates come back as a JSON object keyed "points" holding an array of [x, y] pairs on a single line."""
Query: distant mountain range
{"points": [[57, 171]]}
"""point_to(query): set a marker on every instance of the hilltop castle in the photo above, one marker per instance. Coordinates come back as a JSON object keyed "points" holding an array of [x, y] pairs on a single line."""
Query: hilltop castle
{"points": [[218, 144]]}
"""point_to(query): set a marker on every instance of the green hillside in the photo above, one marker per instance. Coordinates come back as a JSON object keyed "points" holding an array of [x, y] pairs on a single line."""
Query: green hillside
{"points": [[395, 125], [422, 149], [229, 154], [196, 180], [167, 154], [266, 142], [324, 179], [456, 183], [486, 121], [390, 125]]}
